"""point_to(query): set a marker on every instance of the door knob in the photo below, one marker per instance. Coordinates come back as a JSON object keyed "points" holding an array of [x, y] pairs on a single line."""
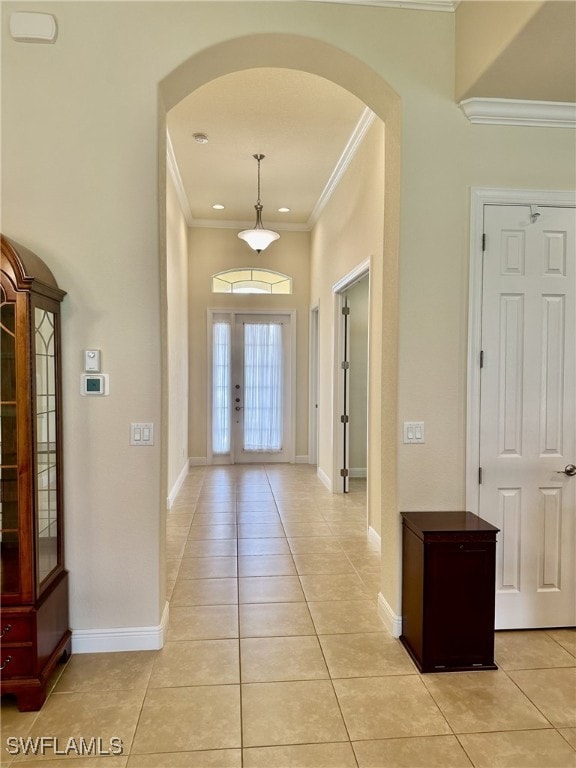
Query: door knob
{"points": [[569, 469]]}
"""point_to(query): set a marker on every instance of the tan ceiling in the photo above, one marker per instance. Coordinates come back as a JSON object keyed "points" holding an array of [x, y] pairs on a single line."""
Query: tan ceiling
{"points": [[303, 124], [516, 50], [300, 122]]}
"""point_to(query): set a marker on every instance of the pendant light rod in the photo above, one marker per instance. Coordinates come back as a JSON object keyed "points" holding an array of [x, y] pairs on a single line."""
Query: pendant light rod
{"points": [[258, 158], [258, 238]]}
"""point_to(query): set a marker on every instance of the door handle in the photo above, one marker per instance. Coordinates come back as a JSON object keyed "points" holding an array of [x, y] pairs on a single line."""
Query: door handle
{"points": [[569, 469]]}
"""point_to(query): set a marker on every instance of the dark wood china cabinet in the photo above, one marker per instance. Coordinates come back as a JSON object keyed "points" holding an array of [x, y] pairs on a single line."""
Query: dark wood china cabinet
{"points": [[34, 612]]}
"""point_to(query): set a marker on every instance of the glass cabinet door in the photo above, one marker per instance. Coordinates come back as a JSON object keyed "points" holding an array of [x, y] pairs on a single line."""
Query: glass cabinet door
{"points": [[47, 492], [10, 543]]}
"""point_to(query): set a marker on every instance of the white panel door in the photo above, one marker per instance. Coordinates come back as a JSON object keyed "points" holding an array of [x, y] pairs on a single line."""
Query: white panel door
{"points": [[528, 413]]}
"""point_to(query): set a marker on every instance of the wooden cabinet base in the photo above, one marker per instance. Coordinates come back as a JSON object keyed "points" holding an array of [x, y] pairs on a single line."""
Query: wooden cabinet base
{"points": [[30, 692], [35, 638], [450, 667]]}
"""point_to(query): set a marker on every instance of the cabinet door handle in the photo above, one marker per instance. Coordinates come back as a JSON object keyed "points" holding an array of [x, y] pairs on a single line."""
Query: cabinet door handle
{"points": [[6, 662], [6, 629]]}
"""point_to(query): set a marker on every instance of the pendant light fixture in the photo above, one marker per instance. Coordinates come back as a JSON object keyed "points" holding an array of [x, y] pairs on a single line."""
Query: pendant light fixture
{"points": [[258, 238]]}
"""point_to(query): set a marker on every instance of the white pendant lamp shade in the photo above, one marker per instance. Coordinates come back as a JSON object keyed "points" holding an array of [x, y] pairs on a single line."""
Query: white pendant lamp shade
{"points": [[258, 238]]}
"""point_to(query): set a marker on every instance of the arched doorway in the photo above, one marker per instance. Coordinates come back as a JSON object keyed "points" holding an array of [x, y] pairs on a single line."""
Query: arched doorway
{"points": [[318, 58]]}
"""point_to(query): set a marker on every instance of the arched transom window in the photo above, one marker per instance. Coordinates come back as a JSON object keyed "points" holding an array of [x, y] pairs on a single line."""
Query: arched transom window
{"points": [[251, 281]]}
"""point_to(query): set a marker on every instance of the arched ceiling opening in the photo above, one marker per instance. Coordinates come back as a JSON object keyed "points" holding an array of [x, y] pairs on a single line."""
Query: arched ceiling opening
{"points": [[306, 127], [315, 94]]}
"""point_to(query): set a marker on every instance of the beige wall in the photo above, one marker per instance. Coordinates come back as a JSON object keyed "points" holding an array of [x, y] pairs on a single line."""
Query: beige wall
{"points": [[215, 250], [177, 337], [349, 232], [80, 185]]}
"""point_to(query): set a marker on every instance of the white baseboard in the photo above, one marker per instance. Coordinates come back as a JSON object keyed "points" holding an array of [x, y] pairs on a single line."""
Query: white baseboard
{"points": [[392, 621], [120, 638], [324, 478], [202, 461], [358, 472], [177, 485]]}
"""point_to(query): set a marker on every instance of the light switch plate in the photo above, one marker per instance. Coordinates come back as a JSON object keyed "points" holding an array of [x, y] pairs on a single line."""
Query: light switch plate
{"points": [[414, 432], [142, 433]]}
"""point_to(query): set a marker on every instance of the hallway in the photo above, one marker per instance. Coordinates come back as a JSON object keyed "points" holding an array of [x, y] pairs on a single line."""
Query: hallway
{"points": [[275, 656]]}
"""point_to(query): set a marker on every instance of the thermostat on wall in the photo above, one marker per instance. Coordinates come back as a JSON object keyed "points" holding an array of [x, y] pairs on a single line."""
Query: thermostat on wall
{"points": [[94, 384]]}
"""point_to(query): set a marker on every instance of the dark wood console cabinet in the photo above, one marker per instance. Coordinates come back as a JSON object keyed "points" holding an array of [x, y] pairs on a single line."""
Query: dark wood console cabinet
{"points": [[448, 590], [34, 612]]}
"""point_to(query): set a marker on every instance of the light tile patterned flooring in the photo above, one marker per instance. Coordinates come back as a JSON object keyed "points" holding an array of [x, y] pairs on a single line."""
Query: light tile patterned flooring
{"points": [[276, 657]]}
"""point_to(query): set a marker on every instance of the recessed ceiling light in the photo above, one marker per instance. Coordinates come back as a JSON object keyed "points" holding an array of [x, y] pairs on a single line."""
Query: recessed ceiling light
{"points": [[283, 210], [218, 207], [201, 138]]}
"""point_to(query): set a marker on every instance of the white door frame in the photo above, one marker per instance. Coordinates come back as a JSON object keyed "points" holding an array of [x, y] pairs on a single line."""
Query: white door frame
{"points": [[314, 389], [481, 196], [338, 289], [291, 416]]}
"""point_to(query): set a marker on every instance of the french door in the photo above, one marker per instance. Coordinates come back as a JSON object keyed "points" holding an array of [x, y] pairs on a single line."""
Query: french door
{"points": [[251, 387]]}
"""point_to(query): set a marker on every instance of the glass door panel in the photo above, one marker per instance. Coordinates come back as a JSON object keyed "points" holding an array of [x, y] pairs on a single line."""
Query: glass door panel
{"points": [[46, 457], [261, 377], [263, 387], [9, 535], [221, 387]]}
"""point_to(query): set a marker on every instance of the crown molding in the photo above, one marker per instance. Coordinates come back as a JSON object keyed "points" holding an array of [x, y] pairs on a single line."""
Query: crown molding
{"points": [[448, 6], [354, 142], [172, 166], [230, 224], [540, 114]]}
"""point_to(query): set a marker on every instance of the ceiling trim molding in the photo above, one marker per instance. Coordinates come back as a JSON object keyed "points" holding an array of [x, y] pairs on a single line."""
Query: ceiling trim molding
{"points": [[172, 166], [354, 142], [540, 114], [448, 6], [229, 224]]}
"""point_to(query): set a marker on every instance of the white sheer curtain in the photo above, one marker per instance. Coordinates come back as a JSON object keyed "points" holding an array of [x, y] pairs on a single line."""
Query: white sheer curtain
{"points": [[221, 386], [263, 374]]}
